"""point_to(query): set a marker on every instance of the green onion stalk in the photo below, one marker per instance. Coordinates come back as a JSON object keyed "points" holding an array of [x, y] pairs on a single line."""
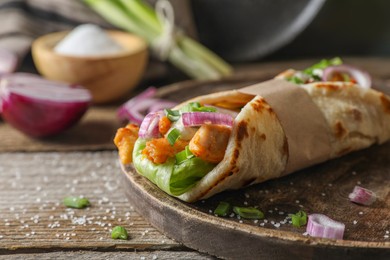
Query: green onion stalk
{"points": [[138, 17]]}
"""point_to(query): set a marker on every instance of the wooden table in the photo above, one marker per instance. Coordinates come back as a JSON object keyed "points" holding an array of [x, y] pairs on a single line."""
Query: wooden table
{"points": [[33, 181]]}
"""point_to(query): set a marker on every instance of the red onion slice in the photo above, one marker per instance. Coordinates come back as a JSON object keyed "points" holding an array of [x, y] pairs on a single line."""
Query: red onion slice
{"points": [[134, 110], [149, 126], [161, 105], [362, 196], [320, 225], [42, 107], [199, 118], [8, 61], [362, 78]]}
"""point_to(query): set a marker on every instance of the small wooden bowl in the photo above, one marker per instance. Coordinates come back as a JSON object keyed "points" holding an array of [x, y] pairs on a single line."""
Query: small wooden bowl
{"points": [[107, 77]]}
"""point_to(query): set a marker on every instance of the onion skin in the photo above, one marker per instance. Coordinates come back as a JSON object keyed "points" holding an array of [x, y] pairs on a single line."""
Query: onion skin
{"points": [[39, 118]]}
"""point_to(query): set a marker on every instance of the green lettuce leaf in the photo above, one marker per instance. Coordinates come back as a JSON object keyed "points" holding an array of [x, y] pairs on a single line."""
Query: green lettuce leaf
{"points": [[174, 179]]}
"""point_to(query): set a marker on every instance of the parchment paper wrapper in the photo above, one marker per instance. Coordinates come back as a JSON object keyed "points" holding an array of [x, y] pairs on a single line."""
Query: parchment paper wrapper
{"points": [[307, 133]]}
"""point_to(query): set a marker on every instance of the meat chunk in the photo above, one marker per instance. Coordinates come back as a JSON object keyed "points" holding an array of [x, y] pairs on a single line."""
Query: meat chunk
{"points": [[159, 150], [125, 139], [209, 142]]}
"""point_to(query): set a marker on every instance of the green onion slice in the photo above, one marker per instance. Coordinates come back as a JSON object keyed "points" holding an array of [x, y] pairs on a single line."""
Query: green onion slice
{"points": [[184, 155], [173, 115], [299, 219], [248, 212], [173, 135], [296, 80], [197, 107], [222, 209], [76, 202], [119, 232]]}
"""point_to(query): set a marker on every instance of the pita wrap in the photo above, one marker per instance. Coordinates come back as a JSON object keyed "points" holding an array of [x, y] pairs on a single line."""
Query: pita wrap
{"points": [[278, 128]]}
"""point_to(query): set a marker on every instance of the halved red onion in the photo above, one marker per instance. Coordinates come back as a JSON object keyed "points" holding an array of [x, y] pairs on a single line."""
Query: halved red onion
{"points": [[362, 196], [320, 225], [134, 110], [41, 107], [149, 126], [362, 78], [8, 61], [200, 118]]}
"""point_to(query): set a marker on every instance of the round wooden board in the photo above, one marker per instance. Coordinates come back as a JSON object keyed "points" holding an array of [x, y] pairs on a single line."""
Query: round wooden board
{"points": [[320, 189]]}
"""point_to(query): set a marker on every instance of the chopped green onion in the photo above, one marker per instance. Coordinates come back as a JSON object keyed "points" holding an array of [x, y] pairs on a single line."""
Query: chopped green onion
{"points": [[119, 232], [173, 135], [222, 209], [138, 17], [299, 219], [173, 115], [296, 80], [181, 157], [322, 65], [197, 107], [184, 155], [248, 212], [76, 202], [189, 154]]}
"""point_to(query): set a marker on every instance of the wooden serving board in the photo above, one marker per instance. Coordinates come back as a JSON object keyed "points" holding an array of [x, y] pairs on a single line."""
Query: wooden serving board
{"points": [[320, 189]]}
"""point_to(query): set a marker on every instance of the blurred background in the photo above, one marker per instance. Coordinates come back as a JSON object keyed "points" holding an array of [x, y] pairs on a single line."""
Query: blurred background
{"points": [[245, 31]]}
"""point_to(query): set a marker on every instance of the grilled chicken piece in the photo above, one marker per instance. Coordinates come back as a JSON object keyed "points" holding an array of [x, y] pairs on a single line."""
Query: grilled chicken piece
{"points": [[209, 142], [125, 139]]}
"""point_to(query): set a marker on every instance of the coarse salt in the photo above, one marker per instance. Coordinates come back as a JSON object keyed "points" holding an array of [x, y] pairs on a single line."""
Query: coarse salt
{"points": [[88, 40]]}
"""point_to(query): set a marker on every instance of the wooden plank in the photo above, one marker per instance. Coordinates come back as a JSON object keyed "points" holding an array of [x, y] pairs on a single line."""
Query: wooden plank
{"points": [[33, 219], [87, 255]]}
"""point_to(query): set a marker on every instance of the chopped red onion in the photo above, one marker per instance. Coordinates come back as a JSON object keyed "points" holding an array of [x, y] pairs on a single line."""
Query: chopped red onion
{"points": [[41, 107], [8, 61], [362, 196], [362, 78], [134, 110], [127, 111], [161, 105], [149, 126], [200, 118], [320, 225]]}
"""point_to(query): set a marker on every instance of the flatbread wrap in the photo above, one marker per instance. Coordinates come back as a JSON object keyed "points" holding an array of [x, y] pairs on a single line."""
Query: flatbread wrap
{"points": [[232, 139]]}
